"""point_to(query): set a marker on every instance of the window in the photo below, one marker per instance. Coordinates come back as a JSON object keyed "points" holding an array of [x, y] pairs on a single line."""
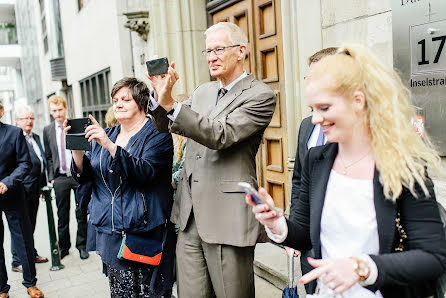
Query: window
{"points": [[95, 93], [43, 21]]}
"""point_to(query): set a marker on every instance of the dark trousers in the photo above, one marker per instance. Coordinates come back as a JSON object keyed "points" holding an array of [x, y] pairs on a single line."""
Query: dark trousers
{"points": [[62, 187], [32, 206], [20, 228]]}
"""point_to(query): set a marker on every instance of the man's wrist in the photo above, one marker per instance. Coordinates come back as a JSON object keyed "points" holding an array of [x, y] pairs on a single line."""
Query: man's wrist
{"points": [[172, 108], [168, 107]]}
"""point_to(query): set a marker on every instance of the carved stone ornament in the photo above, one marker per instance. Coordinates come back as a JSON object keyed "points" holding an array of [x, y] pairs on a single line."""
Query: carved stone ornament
{"points": [[138, 22]]}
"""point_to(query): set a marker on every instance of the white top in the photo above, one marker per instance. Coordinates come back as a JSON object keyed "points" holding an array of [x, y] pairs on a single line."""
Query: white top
{"points": [[348, 224], [67, 152], [314, 135]]}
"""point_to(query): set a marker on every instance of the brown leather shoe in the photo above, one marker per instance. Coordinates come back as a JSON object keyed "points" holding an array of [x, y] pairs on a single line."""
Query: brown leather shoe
{"points": [[40, 259], [4, 295], [17, 269], [34, 292]]}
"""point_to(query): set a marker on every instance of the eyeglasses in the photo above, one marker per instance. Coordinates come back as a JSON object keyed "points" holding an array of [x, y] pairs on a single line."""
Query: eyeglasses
{"points": [[27, 118], [217, 51]]}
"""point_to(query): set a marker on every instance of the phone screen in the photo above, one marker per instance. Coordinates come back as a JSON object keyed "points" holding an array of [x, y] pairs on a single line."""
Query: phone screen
{"points": [[78, 125]]}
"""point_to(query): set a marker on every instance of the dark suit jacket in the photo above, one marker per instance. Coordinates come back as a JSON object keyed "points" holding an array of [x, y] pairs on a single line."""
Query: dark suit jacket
{"points": [[51, 151], [14, 164], [305, 130], [35, 179], [425, 257]]}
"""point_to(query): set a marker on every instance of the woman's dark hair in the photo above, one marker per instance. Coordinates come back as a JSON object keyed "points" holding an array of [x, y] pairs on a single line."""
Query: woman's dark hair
{"points": [[139, 90]]}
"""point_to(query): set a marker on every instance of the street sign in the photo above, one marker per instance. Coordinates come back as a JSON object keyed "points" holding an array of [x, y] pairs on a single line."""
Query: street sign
{"points": [[419, 55]]}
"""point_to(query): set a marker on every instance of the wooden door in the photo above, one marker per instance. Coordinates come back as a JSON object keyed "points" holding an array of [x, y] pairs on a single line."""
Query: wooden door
{"points": [[260, 20]]}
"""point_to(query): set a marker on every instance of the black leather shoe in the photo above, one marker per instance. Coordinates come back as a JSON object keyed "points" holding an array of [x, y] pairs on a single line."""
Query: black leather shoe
{"points": [[64, 253], [83, 253]]}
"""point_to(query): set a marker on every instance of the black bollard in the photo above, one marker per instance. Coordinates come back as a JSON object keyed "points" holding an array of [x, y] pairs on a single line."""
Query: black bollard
{"points": [[54, 245]]}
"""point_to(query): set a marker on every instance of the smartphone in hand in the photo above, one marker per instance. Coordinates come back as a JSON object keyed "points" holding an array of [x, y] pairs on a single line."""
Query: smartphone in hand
{"points": [[158, 66], [258, 198], [75, 138]]}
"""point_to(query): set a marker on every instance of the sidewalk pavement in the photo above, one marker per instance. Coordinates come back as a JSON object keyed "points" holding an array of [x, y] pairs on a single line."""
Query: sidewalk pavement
{"points": [[82, 278], [79, 278]]}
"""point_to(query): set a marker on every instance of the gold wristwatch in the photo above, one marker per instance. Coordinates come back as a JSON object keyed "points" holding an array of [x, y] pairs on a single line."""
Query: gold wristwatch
{"points": [[361, 268]]}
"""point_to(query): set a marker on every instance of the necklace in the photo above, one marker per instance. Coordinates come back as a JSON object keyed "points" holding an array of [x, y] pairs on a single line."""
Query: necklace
{"points": [[345, 171]]}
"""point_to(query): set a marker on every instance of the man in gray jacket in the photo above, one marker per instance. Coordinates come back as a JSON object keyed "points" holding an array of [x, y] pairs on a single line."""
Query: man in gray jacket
{"points": [[224, 122]]}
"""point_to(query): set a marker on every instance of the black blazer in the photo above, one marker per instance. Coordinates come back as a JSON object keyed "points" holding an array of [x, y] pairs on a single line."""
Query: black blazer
{"points": [[35, 178], [399, 274], [305, 130], [51, 151], [14, 164]]}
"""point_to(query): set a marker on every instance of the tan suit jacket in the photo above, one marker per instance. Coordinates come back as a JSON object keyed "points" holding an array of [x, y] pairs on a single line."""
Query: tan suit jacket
{"points": [[223, 140]]}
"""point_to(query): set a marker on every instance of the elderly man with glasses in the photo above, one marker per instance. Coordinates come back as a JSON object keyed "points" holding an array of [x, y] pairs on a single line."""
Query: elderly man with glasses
{"points": [[34, 181], [224, 122]]}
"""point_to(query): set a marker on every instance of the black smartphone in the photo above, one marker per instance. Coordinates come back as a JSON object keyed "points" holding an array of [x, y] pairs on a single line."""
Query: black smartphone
{"points": [[158, 66], [75, 138]]}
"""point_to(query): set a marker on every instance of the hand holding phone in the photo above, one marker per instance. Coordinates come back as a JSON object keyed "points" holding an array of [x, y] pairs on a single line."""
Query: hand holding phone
{"points": [[75, 138], [258, 198]]}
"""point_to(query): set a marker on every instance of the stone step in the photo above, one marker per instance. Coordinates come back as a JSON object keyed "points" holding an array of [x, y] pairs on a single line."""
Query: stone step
{"points": [[271, 264]]}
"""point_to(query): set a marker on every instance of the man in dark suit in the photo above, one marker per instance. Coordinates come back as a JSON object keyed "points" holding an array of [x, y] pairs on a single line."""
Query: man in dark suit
{"points": [[59, 163], [310, 135], [14, 166], [34, 181], [224, 122]]}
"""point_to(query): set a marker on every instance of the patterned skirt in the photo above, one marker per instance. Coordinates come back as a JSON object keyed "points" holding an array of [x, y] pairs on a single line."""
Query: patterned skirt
{"points": [[133, 283]]}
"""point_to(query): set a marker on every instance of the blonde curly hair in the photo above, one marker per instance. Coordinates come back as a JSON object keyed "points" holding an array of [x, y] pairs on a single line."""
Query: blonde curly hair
{"points": [[401, 156]]}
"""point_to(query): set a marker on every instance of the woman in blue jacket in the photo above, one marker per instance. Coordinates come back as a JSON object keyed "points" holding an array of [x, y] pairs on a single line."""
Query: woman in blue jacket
{"points": [[130, 169]]}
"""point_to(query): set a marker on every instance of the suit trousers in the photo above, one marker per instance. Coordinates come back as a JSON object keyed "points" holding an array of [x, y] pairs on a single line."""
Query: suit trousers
{"points": [[62, 187], [20, 228], [212, 270], [32, 206]]}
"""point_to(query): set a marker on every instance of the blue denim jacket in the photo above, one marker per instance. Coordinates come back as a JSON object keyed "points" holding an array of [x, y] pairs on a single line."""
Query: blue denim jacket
{"points": [[131, 192]]}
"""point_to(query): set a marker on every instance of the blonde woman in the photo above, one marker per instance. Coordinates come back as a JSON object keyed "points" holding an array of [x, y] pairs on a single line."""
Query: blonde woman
{"points": [[373, 168], [110, 119]]}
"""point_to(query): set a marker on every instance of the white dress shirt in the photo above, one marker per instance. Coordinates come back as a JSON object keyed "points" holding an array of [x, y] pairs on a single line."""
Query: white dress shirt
{"points": [[59, 130], [314, 135]]}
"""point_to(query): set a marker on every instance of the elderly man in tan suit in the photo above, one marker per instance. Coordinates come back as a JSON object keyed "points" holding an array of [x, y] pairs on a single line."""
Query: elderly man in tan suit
{"points": [[224, 122]]}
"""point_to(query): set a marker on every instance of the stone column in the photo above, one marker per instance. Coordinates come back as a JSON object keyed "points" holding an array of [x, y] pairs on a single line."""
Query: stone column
{"points": [[302, 36], [176, 31]]}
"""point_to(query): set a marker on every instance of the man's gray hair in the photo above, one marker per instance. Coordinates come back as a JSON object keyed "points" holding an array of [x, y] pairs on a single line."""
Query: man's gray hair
{"points": [[236, 35], [21, 109]]}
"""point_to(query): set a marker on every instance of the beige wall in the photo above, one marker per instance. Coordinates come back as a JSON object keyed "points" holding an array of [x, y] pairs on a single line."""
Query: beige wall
{"points": [[176, 31], [365, 22]]}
